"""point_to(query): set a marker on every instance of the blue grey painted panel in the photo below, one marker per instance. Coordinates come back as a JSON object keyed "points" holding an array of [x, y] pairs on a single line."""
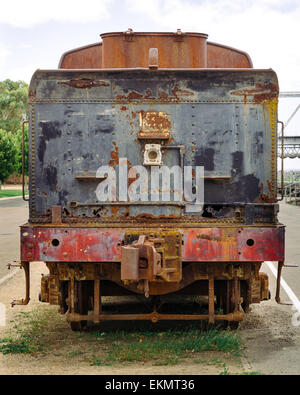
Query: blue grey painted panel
{"points": [[81, 120]]}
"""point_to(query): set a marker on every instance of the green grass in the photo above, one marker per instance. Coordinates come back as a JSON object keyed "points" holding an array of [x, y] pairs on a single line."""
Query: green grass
{"points": [[4, 193], [29, 335], [165, 348]]}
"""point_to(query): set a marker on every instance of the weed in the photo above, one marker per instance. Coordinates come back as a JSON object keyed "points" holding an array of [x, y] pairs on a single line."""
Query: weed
{"points": [[225, 372], [252, 374], [99, 362], [75, 353]]}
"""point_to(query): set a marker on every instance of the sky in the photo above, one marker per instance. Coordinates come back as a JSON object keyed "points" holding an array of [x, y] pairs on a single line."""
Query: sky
{"points": [[35, 33]]}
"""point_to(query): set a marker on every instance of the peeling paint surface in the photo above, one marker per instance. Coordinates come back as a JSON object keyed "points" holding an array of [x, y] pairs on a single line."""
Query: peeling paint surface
{"points": [[226, 120], [60, 244]]}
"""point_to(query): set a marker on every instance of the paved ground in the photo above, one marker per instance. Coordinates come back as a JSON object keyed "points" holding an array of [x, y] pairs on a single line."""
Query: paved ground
{"points": [[13, 213], [290, 216], [272, 341], [11, 187]]}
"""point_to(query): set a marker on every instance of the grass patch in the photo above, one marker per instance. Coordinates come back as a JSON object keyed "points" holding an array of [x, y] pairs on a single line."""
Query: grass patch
{"points": [[167, 348], [252, 374], [29, 335], [5, 193]]}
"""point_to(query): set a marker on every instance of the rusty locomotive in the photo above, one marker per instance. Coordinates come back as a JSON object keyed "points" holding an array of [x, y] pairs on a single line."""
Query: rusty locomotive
{"points": [[152, 100]]}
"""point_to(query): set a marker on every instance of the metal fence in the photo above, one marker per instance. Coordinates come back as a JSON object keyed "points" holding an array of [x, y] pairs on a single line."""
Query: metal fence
{"points": [[292, 193]]}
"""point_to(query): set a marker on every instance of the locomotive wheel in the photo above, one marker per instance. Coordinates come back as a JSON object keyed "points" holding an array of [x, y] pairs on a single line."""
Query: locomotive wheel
{"points": [[233, 325], [81, 304], [77, 326]]}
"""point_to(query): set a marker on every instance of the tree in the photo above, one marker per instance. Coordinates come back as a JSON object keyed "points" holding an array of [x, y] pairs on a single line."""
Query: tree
{"points": [[13, 104], [18, 142], [13, 110], [8, 154]]}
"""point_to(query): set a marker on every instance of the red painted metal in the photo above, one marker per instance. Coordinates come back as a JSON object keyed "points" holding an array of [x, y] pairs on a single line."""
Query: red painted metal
{"points": [[234, 244], [219, 244]]}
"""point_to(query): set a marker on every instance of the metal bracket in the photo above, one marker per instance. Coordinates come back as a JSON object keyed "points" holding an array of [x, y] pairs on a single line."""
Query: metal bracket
{"points": [[277, 297], [179, 36], [14, 264], [140, 261], [23, 302], [128, 35], [56, 215]]}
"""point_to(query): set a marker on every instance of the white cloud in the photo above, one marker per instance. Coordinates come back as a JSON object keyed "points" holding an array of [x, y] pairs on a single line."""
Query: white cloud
{"points": [[21, 72], [25, 14], [24, 46], [4, 54]]}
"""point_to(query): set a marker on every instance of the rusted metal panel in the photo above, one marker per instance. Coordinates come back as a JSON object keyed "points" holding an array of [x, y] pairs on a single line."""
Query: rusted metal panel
{"points": [[271, 243], [63, 244], [216, 244], [130, 258], [221, 56], [84, 83], [154, 125], [56, 214], [130, 49], [226, 120], [234, 244], [87, 57]]}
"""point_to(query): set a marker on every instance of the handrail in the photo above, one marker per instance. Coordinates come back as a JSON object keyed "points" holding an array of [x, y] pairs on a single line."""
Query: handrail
{"points": [[23, 161]]}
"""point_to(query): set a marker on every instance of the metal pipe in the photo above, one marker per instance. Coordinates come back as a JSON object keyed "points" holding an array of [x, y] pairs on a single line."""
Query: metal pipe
{"points": [[155, 317], [277, 297]]}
